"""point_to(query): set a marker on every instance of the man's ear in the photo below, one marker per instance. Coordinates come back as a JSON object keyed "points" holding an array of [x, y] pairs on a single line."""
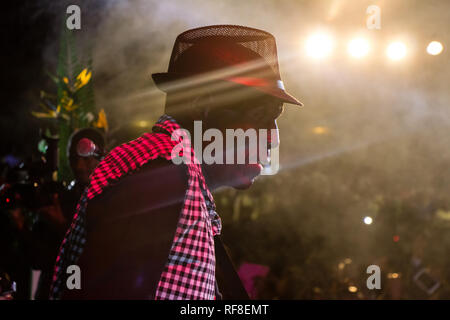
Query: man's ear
{"points": [[201, 106], [206, 111]]}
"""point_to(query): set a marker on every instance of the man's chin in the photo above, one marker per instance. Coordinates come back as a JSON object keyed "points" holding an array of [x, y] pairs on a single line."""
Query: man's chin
{"points": [[243, 186], [248, 176]]}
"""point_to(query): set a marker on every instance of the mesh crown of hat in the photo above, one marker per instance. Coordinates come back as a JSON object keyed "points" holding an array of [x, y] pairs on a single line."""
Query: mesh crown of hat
{"points": [[259, 41]]}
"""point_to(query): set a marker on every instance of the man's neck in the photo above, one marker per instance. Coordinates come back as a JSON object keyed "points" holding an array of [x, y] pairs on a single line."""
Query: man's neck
{"points": [[187, 123]]}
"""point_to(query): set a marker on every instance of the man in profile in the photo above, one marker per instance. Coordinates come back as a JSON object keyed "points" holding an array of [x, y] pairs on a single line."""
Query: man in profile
{"points": [[146, 228]]}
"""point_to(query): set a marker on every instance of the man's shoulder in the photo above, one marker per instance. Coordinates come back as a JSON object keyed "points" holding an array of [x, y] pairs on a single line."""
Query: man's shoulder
{"points": [[156, 185], [156, 177], [155, 142], [158, 173], [128, 158]]}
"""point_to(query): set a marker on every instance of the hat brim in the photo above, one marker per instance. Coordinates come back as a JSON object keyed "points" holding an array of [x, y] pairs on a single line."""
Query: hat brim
{"points": [[164, 81]]}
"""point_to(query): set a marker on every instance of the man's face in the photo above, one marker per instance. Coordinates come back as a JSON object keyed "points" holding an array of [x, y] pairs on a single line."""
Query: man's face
{"points": [[82, 167], [255, 114]]}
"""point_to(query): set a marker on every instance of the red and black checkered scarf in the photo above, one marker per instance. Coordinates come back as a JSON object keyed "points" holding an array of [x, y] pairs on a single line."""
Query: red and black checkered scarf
{"points": [[189, 272]]}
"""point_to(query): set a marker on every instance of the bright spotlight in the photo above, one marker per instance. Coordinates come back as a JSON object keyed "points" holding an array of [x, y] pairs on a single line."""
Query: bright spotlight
{"points": [[368, 220], [353, 289], [319, 45], [434, 48], [320, 130], [358, 48], [142, 124], [396, 51]]}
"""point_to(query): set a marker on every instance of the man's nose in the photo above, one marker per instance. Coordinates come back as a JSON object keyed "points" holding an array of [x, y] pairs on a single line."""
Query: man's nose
{"points": [[273, 137]]}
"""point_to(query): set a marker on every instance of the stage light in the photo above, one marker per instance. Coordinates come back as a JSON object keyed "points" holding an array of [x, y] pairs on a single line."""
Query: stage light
{"points": [[368, 220], [352, 289], [434, 48], [358, 48], [396, 51], [320, 130], [319, 45], [142, 124]]}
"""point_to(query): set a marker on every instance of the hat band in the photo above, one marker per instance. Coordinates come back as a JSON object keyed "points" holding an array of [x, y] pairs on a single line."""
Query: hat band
{"points": [[257, 82]]}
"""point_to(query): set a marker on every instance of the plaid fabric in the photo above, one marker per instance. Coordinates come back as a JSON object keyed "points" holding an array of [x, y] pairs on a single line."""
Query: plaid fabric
{"points": [[190, 269]]}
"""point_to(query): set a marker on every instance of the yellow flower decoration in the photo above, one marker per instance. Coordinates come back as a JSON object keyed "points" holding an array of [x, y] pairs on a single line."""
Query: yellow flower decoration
{"points": [[67, 103], [62, 108], [51, 114], [101, 122], [83, 78]]}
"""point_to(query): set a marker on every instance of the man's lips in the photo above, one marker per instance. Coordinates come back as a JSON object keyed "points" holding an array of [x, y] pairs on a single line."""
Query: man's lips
{"points": [[261, 162], [254, 170]]}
